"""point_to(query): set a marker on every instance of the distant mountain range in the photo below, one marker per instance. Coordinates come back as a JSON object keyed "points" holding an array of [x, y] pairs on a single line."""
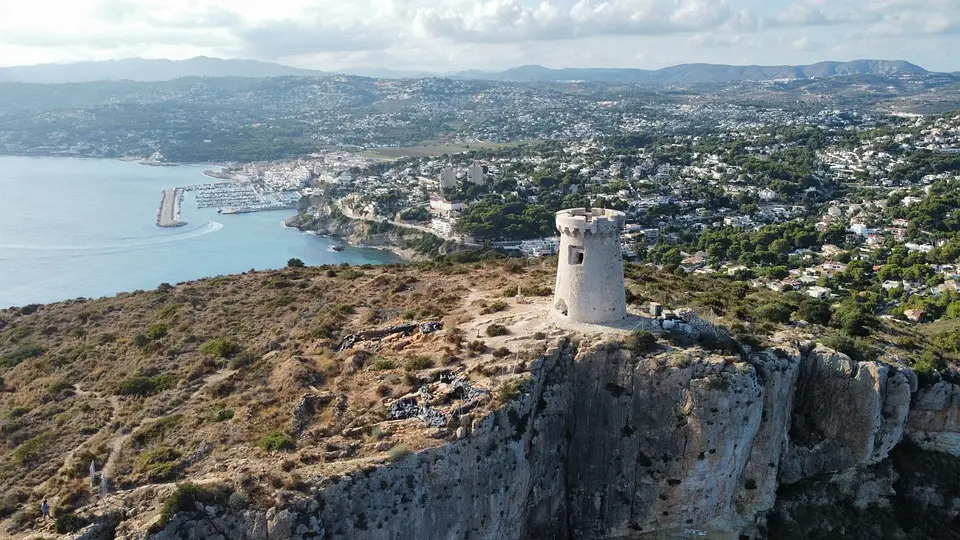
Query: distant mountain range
{"points": [[701, 73], [138, 69]]}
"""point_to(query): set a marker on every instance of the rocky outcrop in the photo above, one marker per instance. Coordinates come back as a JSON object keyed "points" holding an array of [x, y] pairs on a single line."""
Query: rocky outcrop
{"points": [[934, 422], [411, 244], [845, 413], [657, 446], [604, 443]]}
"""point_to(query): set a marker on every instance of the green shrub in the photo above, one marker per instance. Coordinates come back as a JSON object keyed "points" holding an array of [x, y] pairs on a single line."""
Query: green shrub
{"points": [[512, 389], [159, 464], [156, 431], [17, 412], [223, 415], [156, 331], [495, 330], [419, 363], [185, 499], [383, 364], [137, 386], [20, 354], [399, 452], [640, 342], [242, 360], [140, 341], [69, 523], [59, 386], [527, 289], [776, 312], [31, 449], [276, 442], [146, 386], [295, 263], [220, 348], [18, 333], [815, 311], [927, 364], [859, 350], [343, 309], [495, 307], [322, 332]]}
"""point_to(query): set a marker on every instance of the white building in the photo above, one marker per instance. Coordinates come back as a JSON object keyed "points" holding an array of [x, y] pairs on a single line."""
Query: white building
{"points": [[443, 227], [476, 174], [443, 207], [820, 293], [448, 178]]}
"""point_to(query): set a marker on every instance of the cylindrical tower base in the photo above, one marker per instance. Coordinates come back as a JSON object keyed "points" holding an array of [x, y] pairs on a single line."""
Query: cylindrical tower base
{"points": [[589, 285]]}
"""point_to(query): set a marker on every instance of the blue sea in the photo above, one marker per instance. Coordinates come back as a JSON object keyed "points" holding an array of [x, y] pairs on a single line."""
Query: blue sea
{"points": [[87, 227]]}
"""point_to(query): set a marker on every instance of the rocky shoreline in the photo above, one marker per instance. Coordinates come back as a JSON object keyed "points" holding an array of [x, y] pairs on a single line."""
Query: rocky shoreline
{"points": [[355, 232]]}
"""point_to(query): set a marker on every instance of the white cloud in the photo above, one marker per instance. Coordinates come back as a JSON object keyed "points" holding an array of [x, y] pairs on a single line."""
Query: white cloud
{"points": [[512, 20], [805, 44], [881, 16], [449, 35]]}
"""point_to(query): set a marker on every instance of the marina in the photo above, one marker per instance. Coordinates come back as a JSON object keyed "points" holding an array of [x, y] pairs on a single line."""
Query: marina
{"points": [[226, 197]]}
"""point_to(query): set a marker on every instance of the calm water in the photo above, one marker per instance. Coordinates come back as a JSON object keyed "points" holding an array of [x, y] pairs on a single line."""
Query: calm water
{"points": [[73, 227]]}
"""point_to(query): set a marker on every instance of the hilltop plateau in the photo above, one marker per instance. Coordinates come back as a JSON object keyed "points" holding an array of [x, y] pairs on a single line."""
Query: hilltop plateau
{"points": [[431, 401]]}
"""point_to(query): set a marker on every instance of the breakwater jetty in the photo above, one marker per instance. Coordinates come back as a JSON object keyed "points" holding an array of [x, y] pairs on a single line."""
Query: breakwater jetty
{"points": [[169, 214]]}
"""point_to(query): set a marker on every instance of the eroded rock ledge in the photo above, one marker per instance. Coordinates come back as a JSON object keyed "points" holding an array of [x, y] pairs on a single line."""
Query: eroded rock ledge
{"points": [[605, 444]]}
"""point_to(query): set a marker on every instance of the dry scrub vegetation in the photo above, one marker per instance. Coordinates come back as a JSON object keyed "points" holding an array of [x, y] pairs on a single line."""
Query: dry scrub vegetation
{"points": [[204, 377]]}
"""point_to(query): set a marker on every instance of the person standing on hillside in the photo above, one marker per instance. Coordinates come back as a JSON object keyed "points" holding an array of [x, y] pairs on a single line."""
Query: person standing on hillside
{"points": [[44, 510]]}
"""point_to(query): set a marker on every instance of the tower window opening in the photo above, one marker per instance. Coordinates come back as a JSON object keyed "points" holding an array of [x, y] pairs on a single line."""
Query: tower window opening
{"points": [[576, 255]]}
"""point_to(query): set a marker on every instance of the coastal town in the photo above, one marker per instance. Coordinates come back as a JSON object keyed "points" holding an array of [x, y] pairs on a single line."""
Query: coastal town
{"points": [[841, 200]]}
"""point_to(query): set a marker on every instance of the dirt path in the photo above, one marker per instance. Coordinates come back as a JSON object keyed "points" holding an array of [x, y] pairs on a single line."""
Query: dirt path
{"points": [[122, 435], [114, 406]]}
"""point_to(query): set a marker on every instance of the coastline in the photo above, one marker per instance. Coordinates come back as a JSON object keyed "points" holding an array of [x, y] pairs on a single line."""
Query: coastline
{"points": [[351, 238]]}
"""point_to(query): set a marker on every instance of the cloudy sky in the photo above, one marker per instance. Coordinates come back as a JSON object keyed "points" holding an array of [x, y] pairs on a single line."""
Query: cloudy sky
{"points": [[449, 35]]}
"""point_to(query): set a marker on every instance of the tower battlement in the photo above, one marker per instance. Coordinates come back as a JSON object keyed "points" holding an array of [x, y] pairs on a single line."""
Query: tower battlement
{"points": [[581, 221]]}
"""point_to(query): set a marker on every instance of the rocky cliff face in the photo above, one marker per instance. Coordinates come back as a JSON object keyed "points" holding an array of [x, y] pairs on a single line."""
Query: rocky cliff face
{"points": [[410, 244], [608, 444]]}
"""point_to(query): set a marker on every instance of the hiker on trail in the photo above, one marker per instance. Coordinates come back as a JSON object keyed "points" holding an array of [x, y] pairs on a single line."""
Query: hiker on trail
{"points": [[44, 510]]}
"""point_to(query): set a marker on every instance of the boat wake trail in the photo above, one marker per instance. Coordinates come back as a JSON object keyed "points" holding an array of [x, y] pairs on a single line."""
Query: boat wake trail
{"points": [[210, 227]]}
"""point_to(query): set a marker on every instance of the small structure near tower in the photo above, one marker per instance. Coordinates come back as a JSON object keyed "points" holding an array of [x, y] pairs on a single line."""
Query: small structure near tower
{"points": [[590, 268]]}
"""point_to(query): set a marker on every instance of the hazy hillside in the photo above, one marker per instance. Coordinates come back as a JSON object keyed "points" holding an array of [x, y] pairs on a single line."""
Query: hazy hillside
{"points": [[139, 69], [699, 73]]}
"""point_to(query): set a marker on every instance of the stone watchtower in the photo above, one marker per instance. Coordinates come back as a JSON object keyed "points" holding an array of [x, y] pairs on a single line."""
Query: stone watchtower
{"points": [[590, 270]]}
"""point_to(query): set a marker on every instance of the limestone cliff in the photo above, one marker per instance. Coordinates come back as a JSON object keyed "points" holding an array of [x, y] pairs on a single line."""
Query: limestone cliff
{"points": [[605, 443]]}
